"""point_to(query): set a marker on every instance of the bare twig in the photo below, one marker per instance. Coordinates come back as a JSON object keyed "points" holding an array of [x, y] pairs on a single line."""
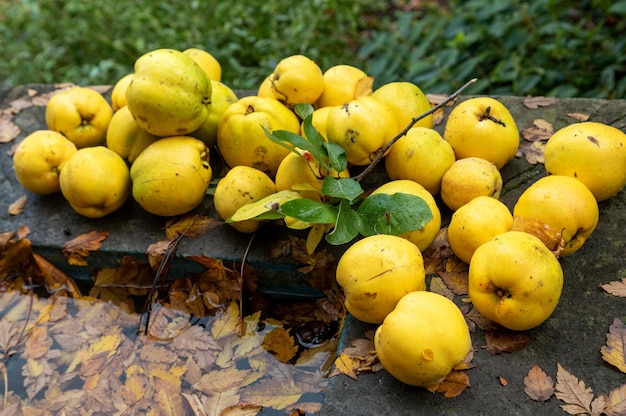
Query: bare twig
{"points": [[381, 152]]}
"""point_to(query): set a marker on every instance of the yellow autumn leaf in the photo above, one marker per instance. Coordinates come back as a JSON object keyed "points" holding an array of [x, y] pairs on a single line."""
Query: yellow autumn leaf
{"points": [[280, 344], [614, 351], [344, 365], [227, 322], [263, 205], [171, 375], [106, 344]]}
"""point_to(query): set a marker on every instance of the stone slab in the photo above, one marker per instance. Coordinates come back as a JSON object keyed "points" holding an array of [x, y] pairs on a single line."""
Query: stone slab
{"points": [[572, 337]]}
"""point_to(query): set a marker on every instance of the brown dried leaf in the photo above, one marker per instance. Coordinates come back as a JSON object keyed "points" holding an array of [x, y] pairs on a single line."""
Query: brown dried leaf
{"points": [[616, 287], [38, 343], [457, 282], [454, 384], [573, 392], [18, 206], [532, 151], [535, 102], [8, 130], [438, 286], [438, 117], [54, 279], [549, 236], [78, 248], [436, 99], [579, 116], [615, 402], [156, 251], [614, 351], [280, 344], [475, 318], [541, 130], [190, 225], [503, 381], [506, 341], [538, 385]]}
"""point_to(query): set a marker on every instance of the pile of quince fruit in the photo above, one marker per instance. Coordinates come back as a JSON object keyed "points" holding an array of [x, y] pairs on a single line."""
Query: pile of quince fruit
{"points": [[154, 140]]}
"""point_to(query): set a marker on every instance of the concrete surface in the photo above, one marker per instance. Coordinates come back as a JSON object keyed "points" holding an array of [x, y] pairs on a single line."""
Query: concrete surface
{"points": [[572, 337]]}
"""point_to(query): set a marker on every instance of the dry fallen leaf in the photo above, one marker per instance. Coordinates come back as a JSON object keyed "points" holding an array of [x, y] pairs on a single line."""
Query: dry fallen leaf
{"points": [[615, 402], [550, 237], [503, 381], [506, 341], [532, 151], [474, 318], [579, 116], [540, 130], [358, 358], [614, 351], [438, 286], [190, 225], [280, 344], [578, 398], [18, 206], [536, 102], [8, 130], [616, 287], [457, 282], [436, 99], [78, 248], [538, 385], [453, 385]]}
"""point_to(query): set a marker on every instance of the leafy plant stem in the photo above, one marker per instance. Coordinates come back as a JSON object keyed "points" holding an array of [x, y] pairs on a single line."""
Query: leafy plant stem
{"points": [[384, 149]]}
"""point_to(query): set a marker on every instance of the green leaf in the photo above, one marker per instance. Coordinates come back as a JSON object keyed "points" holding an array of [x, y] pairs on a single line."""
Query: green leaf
{"points": [[345, 188], [336, 155], [347, 226], [393, 214], [303, 110], [308, 210]]}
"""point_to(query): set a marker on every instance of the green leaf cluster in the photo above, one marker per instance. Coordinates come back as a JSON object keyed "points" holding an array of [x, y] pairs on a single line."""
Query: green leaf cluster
{"points": [[341, 201]]}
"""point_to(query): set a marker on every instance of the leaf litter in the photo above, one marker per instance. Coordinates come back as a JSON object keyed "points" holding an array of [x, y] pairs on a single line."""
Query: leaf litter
{"points": [[202, 354]]}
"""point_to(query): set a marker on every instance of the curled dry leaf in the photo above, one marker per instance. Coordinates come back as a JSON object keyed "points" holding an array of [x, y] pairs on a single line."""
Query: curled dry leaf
{"points": [[506, 341], [18, 206], [616, 287], [78, 248], [436, 99], [535, 102], [579, 116], [453, 385], [614, 351], [538, 385]]}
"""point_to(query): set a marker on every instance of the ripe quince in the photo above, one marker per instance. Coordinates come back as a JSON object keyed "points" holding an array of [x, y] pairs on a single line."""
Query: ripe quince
{"points": [[169, 95]]}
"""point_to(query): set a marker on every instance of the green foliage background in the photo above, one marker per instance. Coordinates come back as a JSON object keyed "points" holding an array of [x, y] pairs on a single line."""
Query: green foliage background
{"points": [[540, 47]]}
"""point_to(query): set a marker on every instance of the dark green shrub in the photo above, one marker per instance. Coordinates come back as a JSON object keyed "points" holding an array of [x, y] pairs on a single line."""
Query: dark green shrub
{"points": [[97, 42], [541, 47]]}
